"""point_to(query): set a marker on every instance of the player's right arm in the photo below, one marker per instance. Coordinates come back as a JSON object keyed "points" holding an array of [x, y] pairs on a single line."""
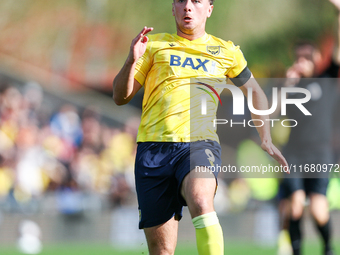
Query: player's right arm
{"points": [[124, 85]]}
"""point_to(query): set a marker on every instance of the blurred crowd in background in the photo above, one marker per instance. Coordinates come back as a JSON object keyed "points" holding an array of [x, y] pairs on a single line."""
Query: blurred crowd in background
{"points": [[67, 151]]}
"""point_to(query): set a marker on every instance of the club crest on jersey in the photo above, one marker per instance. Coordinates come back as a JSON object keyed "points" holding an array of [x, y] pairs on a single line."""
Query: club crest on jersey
{"points": [[214, 50]]}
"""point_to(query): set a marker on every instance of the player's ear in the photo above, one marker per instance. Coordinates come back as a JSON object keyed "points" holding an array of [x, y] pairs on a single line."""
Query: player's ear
{"points": [[210, 10], [173, 9]]}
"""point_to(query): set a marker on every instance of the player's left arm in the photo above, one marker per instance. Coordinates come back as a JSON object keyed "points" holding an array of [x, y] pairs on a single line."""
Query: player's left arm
{"points": [[261, 103]]}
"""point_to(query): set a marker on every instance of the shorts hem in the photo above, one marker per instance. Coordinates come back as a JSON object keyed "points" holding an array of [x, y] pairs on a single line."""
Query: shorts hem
{"points": [[159, 222]]}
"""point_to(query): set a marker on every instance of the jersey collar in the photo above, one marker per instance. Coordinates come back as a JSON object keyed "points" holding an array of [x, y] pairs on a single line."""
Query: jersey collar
{"points": [[202, 39]]}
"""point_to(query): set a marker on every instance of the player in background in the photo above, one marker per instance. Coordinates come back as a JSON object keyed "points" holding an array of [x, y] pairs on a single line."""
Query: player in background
{"points": [[310, 141], [168, 146]]}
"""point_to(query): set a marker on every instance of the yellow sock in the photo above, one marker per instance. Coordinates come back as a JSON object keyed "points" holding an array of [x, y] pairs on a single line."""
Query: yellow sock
{"points": [[209, 235]]}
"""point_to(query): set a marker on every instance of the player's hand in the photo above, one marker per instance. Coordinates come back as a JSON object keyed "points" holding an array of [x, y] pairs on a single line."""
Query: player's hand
{"points": [[336, 3], [293, 76], [138, 45], [293, 72], [270, 148]]}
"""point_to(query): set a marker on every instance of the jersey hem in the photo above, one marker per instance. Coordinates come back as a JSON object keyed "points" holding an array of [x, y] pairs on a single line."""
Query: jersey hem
{"points": [[179, 140]]}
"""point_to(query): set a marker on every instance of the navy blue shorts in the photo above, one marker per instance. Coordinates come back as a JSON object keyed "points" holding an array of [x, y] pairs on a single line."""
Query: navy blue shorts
{"points": [[310, 182], [159, 171], [309, 185]]}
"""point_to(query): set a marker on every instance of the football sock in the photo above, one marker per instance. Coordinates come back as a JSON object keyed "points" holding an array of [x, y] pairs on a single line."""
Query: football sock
{"points": [[295, 235], [325, 232], [284, 244], [209, 235]]}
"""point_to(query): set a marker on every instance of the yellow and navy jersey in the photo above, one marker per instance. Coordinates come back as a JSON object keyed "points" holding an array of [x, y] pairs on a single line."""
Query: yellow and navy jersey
{"points": [[168, 70]]}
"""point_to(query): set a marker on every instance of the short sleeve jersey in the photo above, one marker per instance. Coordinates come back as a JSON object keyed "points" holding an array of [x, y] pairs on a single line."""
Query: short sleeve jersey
{"points": [[167, 70]]}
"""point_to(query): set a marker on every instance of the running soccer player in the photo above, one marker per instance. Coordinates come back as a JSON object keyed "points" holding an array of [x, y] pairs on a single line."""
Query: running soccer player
{"points": [[310, 142], [168, 146]]}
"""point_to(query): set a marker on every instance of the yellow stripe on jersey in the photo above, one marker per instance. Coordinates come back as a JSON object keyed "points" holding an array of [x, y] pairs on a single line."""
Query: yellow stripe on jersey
{"points": [[165, 70]]}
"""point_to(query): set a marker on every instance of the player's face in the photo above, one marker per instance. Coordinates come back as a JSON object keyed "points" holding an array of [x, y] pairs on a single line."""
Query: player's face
{"points": [[191, 16], [305, 62]]}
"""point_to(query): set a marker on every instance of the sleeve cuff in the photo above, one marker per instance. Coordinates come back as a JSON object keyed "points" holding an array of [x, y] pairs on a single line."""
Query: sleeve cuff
{"points": [[140, 78], [242, 78]]}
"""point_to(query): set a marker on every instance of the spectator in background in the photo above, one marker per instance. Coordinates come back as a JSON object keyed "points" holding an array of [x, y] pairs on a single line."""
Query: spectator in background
{"points": [[91, 127], [310, 141], [29, 164], [65, 152], [67, 125], [6, 178]]}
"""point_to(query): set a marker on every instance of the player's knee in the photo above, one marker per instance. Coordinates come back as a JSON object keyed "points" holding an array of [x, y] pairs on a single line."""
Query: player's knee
{"points": [[297, 212], [321, 220], [319, 208], [320, 215], [201, 205], [164, 248]]}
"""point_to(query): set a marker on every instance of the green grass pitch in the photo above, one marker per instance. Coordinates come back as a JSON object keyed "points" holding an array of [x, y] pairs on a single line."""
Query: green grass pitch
{"points": [[310, 248]]}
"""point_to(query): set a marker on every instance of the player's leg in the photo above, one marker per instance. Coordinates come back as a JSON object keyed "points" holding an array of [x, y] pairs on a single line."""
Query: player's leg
{"points": [[162, 239], [284, 211], [284, 243], [196, 189], [297, 202], [156, 188], [297, 199], [199, 196], [199, 193], [320, 211], [319, 208]]}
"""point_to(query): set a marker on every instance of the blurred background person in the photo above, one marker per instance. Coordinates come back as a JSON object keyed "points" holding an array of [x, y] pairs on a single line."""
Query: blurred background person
{"points": [[310, 141]]}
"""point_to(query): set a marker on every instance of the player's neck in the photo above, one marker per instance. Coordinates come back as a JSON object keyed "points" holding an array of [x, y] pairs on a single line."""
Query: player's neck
{"points": [[190, 37]]}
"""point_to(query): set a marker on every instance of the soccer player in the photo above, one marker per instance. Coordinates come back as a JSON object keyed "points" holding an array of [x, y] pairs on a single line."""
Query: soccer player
{"points": [[310, 141], [168, 146]]}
